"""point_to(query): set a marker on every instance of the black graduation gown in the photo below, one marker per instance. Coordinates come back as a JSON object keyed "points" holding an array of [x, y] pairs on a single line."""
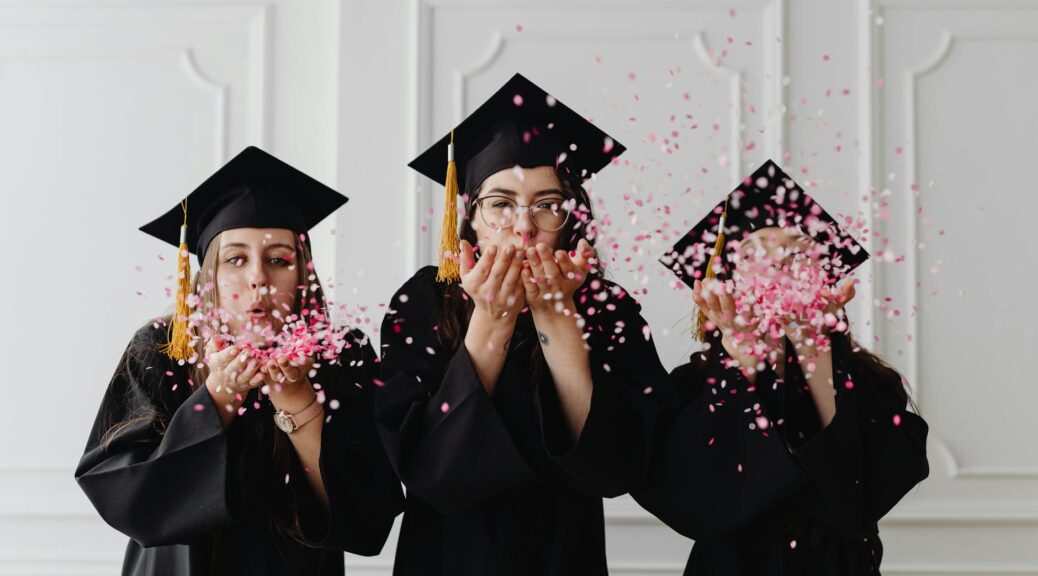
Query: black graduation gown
{"points": [[488, 491], [198, 500], [792, 498]]}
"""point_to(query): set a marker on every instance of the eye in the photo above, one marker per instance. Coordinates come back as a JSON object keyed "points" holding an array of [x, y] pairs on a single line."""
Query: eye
{"points": [[235, 260], [501, 204], [279, 261], [549, 204]]}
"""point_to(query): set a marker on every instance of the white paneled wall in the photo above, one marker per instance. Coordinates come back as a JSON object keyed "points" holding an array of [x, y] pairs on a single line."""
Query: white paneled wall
{"points": [[917, 113]]}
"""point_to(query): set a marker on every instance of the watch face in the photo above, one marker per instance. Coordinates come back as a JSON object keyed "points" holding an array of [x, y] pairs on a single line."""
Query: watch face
{"points": [[284, 422]]}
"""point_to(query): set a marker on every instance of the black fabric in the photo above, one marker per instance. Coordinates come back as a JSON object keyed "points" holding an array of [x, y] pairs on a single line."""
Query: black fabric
{"points": [[791, 498], [494, 485], [198, 500], [519, 125]]}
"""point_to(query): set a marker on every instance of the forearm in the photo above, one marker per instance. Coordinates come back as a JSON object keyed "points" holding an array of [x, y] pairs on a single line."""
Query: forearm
{"points": [[306, 440], [487, 340], [566, 354]]}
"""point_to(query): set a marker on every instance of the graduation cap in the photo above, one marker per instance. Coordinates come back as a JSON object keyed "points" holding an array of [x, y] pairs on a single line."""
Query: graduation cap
{"points": [[767, 198], [519, 125], [253, 190]]}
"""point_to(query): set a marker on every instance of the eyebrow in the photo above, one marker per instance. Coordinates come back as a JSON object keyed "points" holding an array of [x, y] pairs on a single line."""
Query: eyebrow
{"points": [[508, 192], [268, 246]]}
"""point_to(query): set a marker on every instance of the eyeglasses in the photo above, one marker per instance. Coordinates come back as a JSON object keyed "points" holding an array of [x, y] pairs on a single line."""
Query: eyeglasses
{"points": [[499, 212]]}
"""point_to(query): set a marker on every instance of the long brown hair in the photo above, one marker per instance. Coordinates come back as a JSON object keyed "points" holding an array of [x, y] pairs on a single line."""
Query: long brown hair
{"points": [[309, 295], [456, 306]]}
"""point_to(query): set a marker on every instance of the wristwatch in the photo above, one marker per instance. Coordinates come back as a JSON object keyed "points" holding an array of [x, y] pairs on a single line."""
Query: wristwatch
{"points": [[289, 423]]}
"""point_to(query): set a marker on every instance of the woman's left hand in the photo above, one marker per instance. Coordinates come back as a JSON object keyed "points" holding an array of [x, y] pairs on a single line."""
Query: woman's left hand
{"points": [[288, 376], [832, 317], [551, 280]]}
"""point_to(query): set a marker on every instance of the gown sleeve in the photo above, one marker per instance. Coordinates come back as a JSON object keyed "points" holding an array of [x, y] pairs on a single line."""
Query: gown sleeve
{"points": [[439, 426], [872, 452], [143, 479], [631, 390], [717, 467], [364, 494]]}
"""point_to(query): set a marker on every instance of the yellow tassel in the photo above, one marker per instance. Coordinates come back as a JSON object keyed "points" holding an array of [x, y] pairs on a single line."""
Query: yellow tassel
{"points": [[701, 319], [450, 244], [179, 344]]}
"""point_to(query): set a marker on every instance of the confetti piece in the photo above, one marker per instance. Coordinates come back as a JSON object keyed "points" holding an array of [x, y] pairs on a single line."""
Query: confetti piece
{"points": [[445, 407]]}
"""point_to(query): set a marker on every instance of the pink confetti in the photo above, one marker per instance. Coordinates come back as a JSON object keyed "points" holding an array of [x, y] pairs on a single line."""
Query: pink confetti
{"points": [[897, 419], [445, 407], [199, 407], [517, 99]]}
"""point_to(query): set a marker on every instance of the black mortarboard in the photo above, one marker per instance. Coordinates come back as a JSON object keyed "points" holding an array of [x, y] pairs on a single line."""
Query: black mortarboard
{"points": [[519, 125], [253, 190], [766, 198]]}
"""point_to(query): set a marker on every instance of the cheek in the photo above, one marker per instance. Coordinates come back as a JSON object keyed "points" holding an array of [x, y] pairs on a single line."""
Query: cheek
{"points": [[550, 238], [229, 287], [487, 236], [286, 289]]}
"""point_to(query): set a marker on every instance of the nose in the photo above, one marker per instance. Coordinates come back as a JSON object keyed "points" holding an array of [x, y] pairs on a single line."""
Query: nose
{"points": [[524, 226], [257, 276]]}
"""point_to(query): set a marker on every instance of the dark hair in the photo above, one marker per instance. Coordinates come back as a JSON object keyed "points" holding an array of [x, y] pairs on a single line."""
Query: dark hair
{"points": [[456, 308]]}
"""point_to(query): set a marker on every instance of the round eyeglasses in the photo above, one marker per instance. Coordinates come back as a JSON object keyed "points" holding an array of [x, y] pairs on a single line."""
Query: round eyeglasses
{"points": [[499, 212]]}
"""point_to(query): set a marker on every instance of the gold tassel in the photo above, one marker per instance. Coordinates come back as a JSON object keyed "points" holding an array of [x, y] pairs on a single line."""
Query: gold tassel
{"points": [[450, 244], [179, 345], [701, 319]]}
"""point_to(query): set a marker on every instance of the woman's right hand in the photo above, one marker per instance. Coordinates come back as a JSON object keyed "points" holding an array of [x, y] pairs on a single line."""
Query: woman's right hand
{"points": [[231, 371], [493, 282], [738, 334]]}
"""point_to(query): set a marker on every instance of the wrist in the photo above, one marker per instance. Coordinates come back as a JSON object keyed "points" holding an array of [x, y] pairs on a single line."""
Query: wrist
{"points": [[563, 306], [483, 324], [293, 399]]}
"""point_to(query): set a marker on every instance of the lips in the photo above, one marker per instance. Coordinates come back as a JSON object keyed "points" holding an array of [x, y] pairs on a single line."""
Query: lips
{"points": [[257, 311]]}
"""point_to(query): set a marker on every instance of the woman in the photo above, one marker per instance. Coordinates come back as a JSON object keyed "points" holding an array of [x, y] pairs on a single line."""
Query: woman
{"points": [[223, 445], [517, 396], [792, 440]]}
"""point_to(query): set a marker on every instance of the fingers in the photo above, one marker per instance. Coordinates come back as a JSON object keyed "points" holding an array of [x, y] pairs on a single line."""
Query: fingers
{"points": [[273, 371], [583, 255], [727, 307], [501, 265], [468, 257], [486, 262], [534, 260], [847, 293], [710, 296], [699, 296], [509, 284], [568, 269], [292, 372], [548, 266]]}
